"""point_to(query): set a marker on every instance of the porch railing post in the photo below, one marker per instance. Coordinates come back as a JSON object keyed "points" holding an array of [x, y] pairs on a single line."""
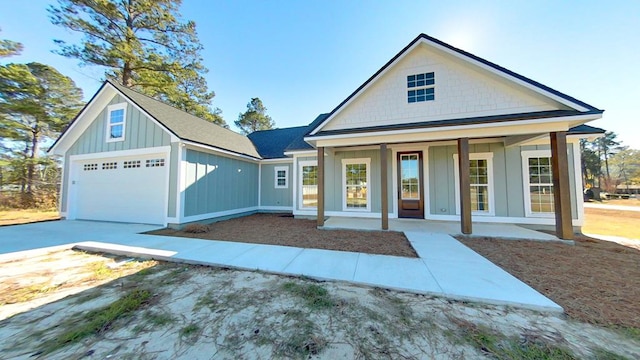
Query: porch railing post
{"points": [[384, 201], [465, 185], [561, 189], [320, 186]]}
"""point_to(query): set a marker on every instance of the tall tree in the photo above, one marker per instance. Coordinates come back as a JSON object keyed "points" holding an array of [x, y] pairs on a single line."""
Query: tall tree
{"points": [[145, 45], [37, 101], [609, 146], [9, 48], [591, 164], [255, 118]]}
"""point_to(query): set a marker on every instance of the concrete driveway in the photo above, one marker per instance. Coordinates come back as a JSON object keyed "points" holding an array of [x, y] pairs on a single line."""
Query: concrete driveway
{"points": [[445, 268]]}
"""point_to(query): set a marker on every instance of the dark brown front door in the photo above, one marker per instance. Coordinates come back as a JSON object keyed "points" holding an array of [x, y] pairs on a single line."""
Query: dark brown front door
{"points": [[410, 192]]}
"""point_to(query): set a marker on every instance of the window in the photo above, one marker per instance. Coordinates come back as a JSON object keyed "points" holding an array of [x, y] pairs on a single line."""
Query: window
{"points": [[131, 164], [90, 167], [308, 184], [154, 162], [281, 177], [410, 183], [109, 165], [480, 181], [116, 122], [421, 87], [355, 179], [538, 182]]}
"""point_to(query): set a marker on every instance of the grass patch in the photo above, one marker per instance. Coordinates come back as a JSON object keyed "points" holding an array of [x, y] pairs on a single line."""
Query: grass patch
{"points": [[27, 293], [190, 333], [602, 354], [498, 346], [158, 318], [100, 271], [315, 296], [96, 321]]}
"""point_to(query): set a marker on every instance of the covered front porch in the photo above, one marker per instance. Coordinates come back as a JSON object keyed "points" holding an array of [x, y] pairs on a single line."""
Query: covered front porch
{"points": [[536, 189]]}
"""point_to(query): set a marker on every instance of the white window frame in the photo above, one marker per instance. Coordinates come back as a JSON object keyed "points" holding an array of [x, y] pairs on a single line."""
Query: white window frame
{"points": [[276, 169], [115, 107], [345, 162], [526, 155], [301, 164], [488, 156]]}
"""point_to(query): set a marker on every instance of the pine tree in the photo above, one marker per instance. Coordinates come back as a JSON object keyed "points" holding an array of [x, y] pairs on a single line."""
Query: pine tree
{"points": [[255, 118], [144, 45]]}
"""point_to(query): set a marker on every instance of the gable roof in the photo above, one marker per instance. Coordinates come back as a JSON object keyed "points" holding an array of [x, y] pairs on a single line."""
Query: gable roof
{"points": [[545, 90], [179, 123], [298, 143], [271, 144], [585, 130], [189, 127]]}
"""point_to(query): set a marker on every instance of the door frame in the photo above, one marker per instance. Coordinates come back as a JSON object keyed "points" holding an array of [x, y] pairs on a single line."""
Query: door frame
{"points": [[403, 148], [420, 200]]}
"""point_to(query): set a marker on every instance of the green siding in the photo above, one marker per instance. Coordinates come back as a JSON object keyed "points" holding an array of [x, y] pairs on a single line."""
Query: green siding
{"points": [[173, 179], [217, 183], [333, 177], [507, 178], [270, 196], [140, 132]]}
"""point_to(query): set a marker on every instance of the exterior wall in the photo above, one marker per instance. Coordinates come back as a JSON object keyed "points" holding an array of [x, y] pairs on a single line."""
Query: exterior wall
{"points": [[140, 132], [507, 178], [217, 184], [269, 195], [461, 91]]}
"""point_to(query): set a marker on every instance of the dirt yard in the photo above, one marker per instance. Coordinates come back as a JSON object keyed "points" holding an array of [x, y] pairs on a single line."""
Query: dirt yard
{"points": [[279, 229], [595, 281], [624, 224], [174, 311], [13, 217]]}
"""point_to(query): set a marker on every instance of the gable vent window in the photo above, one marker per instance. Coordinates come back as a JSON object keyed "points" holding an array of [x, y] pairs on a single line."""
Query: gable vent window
{"points": [[131, 164], [90, 167], [421, 87], [109, 165], [116, 122], [155, 162]]}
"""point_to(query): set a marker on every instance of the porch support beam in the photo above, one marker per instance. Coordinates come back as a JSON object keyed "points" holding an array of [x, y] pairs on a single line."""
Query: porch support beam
{"points": [[561, 189], [320, 186], [465, 185], [384, 200]]}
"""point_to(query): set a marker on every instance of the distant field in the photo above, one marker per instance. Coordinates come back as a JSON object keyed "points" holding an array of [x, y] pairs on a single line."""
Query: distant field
{"points": [[612, 222], [13, 217]]}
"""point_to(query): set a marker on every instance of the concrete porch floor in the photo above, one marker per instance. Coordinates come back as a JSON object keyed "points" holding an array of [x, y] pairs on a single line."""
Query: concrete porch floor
{"points": [[445, 266], [508, 231]]}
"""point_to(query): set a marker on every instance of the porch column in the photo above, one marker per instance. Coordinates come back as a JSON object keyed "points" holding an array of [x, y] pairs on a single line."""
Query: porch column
{"points": [[465, 185], [561, 190], [320, 186], [384, 201]]}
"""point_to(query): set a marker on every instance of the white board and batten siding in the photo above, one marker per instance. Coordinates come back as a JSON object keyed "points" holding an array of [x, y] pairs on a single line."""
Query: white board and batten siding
{"points": [[124, 181]]}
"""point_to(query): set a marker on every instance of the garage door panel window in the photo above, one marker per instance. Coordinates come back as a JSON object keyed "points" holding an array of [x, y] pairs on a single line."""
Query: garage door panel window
{"points": [[116, 122], [155, 162], [90, 167], [131, 164], [109, 165]]}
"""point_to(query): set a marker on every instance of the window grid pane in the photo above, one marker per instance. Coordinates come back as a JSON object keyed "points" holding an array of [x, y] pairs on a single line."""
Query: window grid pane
{"points": [[541, 185], [479, 181], [356, 186], [310, 186], [422, 87]]}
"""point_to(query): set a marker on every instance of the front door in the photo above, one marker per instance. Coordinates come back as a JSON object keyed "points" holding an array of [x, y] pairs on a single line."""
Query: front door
{"points": [[410, 192]]}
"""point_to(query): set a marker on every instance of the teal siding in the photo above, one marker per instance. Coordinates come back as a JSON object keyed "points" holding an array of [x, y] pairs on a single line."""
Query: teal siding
{"points": [[173, 179], [270, 196], [507, 178], [217, 183], [140, 132]]}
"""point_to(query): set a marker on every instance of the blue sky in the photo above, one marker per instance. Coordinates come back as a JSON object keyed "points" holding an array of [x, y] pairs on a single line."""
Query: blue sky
{"points": [[303, 58]]}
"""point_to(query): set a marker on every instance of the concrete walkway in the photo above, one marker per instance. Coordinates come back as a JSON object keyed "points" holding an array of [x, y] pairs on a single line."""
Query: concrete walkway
{"points": [[445, 267]]}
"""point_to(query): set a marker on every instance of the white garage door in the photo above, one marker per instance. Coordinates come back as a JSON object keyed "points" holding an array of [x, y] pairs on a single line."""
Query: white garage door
{"points": [[125, 189]]}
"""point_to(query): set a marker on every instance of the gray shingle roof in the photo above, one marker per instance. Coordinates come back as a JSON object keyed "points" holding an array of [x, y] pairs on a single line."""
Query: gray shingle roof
{"points": [[298, 143], [190, 127], [271, 144]]}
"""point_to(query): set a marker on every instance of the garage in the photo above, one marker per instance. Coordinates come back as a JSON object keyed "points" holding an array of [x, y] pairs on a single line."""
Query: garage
{"points": [[129, 189]]}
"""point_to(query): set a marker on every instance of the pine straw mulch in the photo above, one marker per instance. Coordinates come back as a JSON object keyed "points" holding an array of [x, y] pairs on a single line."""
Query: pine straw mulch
{"points": [[594, 281], [279, 229]]}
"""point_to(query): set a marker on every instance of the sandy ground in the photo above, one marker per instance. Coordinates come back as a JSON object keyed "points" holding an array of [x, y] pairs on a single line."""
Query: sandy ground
{"points": [[205, 313], [282, 229]]}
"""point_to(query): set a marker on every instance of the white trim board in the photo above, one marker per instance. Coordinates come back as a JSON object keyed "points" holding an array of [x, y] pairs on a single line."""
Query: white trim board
{"points": [[490, 181], [122, 153], [343, 184]]}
